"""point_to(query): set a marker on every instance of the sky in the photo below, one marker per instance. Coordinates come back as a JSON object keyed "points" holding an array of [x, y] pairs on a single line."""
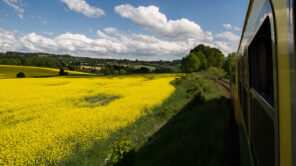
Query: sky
{"points": [[132, 29]]}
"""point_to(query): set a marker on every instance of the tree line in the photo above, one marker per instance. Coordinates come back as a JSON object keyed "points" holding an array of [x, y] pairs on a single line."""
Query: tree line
{"points": [[86, 64], [199, 58]]}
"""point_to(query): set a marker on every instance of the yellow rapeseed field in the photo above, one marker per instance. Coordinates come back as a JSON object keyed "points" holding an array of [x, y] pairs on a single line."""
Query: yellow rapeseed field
{"points": [[43, 119]]}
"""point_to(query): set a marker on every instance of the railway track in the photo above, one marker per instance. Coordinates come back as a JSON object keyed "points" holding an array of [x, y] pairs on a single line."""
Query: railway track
{"points": [[225, 84], [225, 87]]}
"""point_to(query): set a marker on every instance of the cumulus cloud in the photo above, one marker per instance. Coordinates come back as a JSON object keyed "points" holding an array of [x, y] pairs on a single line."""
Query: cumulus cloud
{"points": [[171, 39], [227, 26], [228, 43], [8, 41], [110, 43], [81, 6], [125, 45], [228, 36], [111, 30], [151, 19]]}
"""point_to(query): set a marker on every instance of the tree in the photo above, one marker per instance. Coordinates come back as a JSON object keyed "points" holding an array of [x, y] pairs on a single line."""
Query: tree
{"points": [[190, 63], [62, 72], [219, 58], [203, 60], [20, 75], [227, 62], [214, 56]]}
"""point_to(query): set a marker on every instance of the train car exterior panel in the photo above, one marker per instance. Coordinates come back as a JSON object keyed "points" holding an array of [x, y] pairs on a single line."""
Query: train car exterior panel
{"points": [[263, 83]]}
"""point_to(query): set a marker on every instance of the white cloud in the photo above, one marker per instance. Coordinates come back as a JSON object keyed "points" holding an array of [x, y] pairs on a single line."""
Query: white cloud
{"points": [[229, 42], [237, 28], [111, 30], [151, 19], [48, 33], [120, 45], [8, 41], [37, 43], [21, 16], [173, 40], [125, 45], [228, 36], [227, 26], [81, 6], [15, 4]]}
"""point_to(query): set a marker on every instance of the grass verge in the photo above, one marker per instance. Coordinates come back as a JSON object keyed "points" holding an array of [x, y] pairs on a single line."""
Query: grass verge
{"points": [[193, 127]]}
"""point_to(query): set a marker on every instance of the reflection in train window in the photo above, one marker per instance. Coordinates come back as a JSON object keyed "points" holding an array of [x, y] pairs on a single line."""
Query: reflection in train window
{"points": [[294, 22], [261, 66], [233, 74], [240, 82]]}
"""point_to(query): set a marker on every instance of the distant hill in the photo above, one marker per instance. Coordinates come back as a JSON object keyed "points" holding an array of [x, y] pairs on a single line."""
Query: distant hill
{"points": [[10, 71], [90, 65]]}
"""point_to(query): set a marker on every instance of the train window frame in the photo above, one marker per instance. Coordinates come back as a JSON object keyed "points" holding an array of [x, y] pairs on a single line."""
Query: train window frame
{"points": [[244, 91]]}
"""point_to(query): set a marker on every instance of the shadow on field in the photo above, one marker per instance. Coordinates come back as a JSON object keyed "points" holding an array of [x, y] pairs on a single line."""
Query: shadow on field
{"points": [[202, 133], [67, 76]]}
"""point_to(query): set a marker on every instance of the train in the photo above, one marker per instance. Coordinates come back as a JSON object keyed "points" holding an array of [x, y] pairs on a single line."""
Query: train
{"points": [[263, 84]]}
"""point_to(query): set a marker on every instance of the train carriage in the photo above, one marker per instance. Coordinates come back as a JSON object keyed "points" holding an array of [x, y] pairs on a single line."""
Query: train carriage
{"points": [[263, 84]]}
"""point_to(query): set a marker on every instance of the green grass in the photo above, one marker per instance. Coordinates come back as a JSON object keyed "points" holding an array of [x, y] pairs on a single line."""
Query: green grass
{"points": [[10, 71], [193, 127]]}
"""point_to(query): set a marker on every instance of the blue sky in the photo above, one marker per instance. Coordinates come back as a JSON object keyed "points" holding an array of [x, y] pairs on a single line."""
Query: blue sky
{"points": [[142, 29]]}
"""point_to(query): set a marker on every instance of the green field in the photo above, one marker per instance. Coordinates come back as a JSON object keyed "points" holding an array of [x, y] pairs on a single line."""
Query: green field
{"points": [[10, 71]]}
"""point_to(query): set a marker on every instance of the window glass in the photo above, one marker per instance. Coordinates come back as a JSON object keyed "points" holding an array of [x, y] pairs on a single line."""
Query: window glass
{"points": [[261, 65]]}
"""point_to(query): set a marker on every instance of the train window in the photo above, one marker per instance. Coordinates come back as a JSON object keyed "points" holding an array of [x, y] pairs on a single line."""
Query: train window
{"points": [[260, 61], [294, 24]]}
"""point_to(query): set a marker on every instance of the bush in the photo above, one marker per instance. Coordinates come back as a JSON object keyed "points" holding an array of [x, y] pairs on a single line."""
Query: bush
{"points": [[20, 75], [217, 73], [115, 72], [122, 71], [121, 152]]}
